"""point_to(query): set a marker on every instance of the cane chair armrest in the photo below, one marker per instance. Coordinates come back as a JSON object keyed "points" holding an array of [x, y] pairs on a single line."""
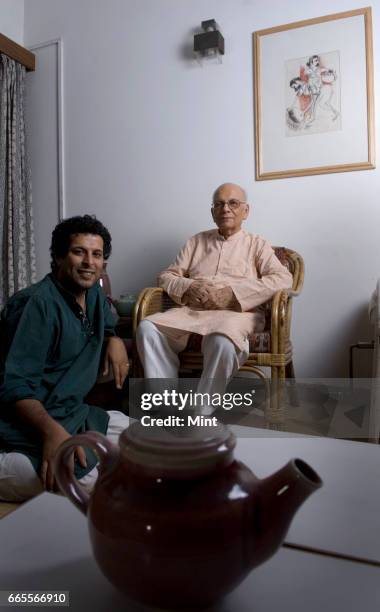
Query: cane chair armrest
{"points": [[281, 313], [279, 320], [149, 301], [292, 292], [296, 266]]}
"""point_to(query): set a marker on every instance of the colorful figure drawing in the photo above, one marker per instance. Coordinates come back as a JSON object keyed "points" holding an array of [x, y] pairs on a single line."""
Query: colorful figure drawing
{"points": [[314, 90]]}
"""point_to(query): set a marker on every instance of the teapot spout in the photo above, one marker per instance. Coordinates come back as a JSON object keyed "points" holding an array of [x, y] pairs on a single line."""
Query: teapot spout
{"points": [[279, 497]]}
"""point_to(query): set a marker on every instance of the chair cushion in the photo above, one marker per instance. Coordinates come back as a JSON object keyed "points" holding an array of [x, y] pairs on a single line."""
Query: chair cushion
{"points": [[260, 342], [281, 255]]}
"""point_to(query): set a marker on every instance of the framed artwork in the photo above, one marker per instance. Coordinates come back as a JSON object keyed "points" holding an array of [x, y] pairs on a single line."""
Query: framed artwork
{"points": [[314, 106]]}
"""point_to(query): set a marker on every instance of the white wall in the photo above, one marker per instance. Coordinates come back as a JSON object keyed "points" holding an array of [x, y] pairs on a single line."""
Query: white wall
{"points": [[12, 19], [149, 134], [42, 120]]}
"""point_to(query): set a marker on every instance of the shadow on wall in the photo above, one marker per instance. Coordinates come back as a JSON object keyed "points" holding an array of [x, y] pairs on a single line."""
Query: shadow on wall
{"points": [[186, 48], [151, 260], [332, 351]]}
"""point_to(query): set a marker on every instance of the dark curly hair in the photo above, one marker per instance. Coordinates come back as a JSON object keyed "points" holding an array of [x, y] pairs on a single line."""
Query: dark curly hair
{"points": [[61, 236]]}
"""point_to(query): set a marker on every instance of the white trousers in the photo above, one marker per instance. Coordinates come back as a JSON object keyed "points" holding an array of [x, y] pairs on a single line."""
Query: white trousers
{"points": [[158, 353], [19, 481]]}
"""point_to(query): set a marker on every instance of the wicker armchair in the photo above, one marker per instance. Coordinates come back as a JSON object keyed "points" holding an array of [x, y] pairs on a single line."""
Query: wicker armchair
{"points": [[269, 348]]}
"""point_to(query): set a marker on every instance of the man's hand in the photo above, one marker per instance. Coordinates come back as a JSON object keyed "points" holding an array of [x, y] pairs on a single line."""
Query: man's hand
{"points": [[50, 435], [221, 299], [116, 356], [50, 443], [197, 294], [203, 295]]}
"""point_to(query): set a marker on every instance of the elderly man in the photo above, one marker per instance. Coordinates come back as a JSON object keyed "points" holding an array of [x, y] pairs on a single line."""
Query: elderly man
{"points": [[219, 279], [52, 335]]}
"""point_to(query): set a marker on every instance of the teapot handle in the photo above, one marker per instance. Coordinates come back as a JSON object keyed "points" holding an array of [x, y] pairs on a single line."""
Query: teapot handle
{"points": [[69, 485]]}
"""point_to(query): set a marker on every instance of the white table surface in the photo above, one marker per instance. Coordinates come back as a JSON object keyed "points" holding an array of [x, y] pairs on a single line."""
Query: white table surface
{"points": [[344, 515], [45, 546]]}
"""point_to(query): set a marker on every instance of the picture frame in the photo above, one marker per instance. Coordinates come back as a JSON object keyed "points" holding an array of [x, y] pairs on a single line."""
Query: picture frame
{"points": [[313, 92]]}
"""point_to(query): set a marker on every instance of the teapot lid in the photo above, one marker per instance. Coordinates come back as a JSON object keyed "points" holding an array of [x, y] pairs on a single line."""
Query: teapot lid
{"points": [[178, 452]]}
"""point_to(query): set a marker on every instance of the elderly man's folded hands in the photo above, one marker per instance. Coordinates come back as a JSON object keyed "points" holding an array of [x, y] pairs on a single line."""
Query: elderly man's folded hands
{"points": [[197, 294], [203, 295], [221, 299]]}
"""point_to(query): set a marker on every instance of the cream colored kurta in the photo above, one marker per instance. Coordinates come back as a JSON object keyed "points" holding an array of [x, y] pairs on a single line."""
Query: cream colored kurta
{"points": [[245, 262]]}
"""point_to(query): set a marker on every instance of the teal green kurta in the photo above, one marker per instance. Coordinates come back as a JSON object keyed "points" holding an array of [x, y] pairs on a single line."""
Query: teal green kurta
{"points": [[51, 352]]}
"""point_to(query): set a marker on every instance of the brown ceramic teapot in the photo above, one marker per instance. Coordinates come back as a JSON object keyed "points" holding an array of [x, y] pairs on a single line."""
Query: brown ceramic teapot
{"points": [[175, 521]]}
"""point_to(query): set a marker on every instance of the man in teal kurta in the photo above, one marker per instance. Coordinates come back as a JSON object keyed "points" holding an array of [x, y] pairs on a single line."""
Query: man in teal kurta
{"points": [[52, 335]]}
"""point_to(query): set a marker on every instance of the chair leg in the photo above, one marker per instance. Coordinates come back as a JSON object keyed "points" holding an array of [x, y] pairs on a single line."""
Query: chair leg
{"points": [[292, 389], [289, 370], [276, 412]]}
